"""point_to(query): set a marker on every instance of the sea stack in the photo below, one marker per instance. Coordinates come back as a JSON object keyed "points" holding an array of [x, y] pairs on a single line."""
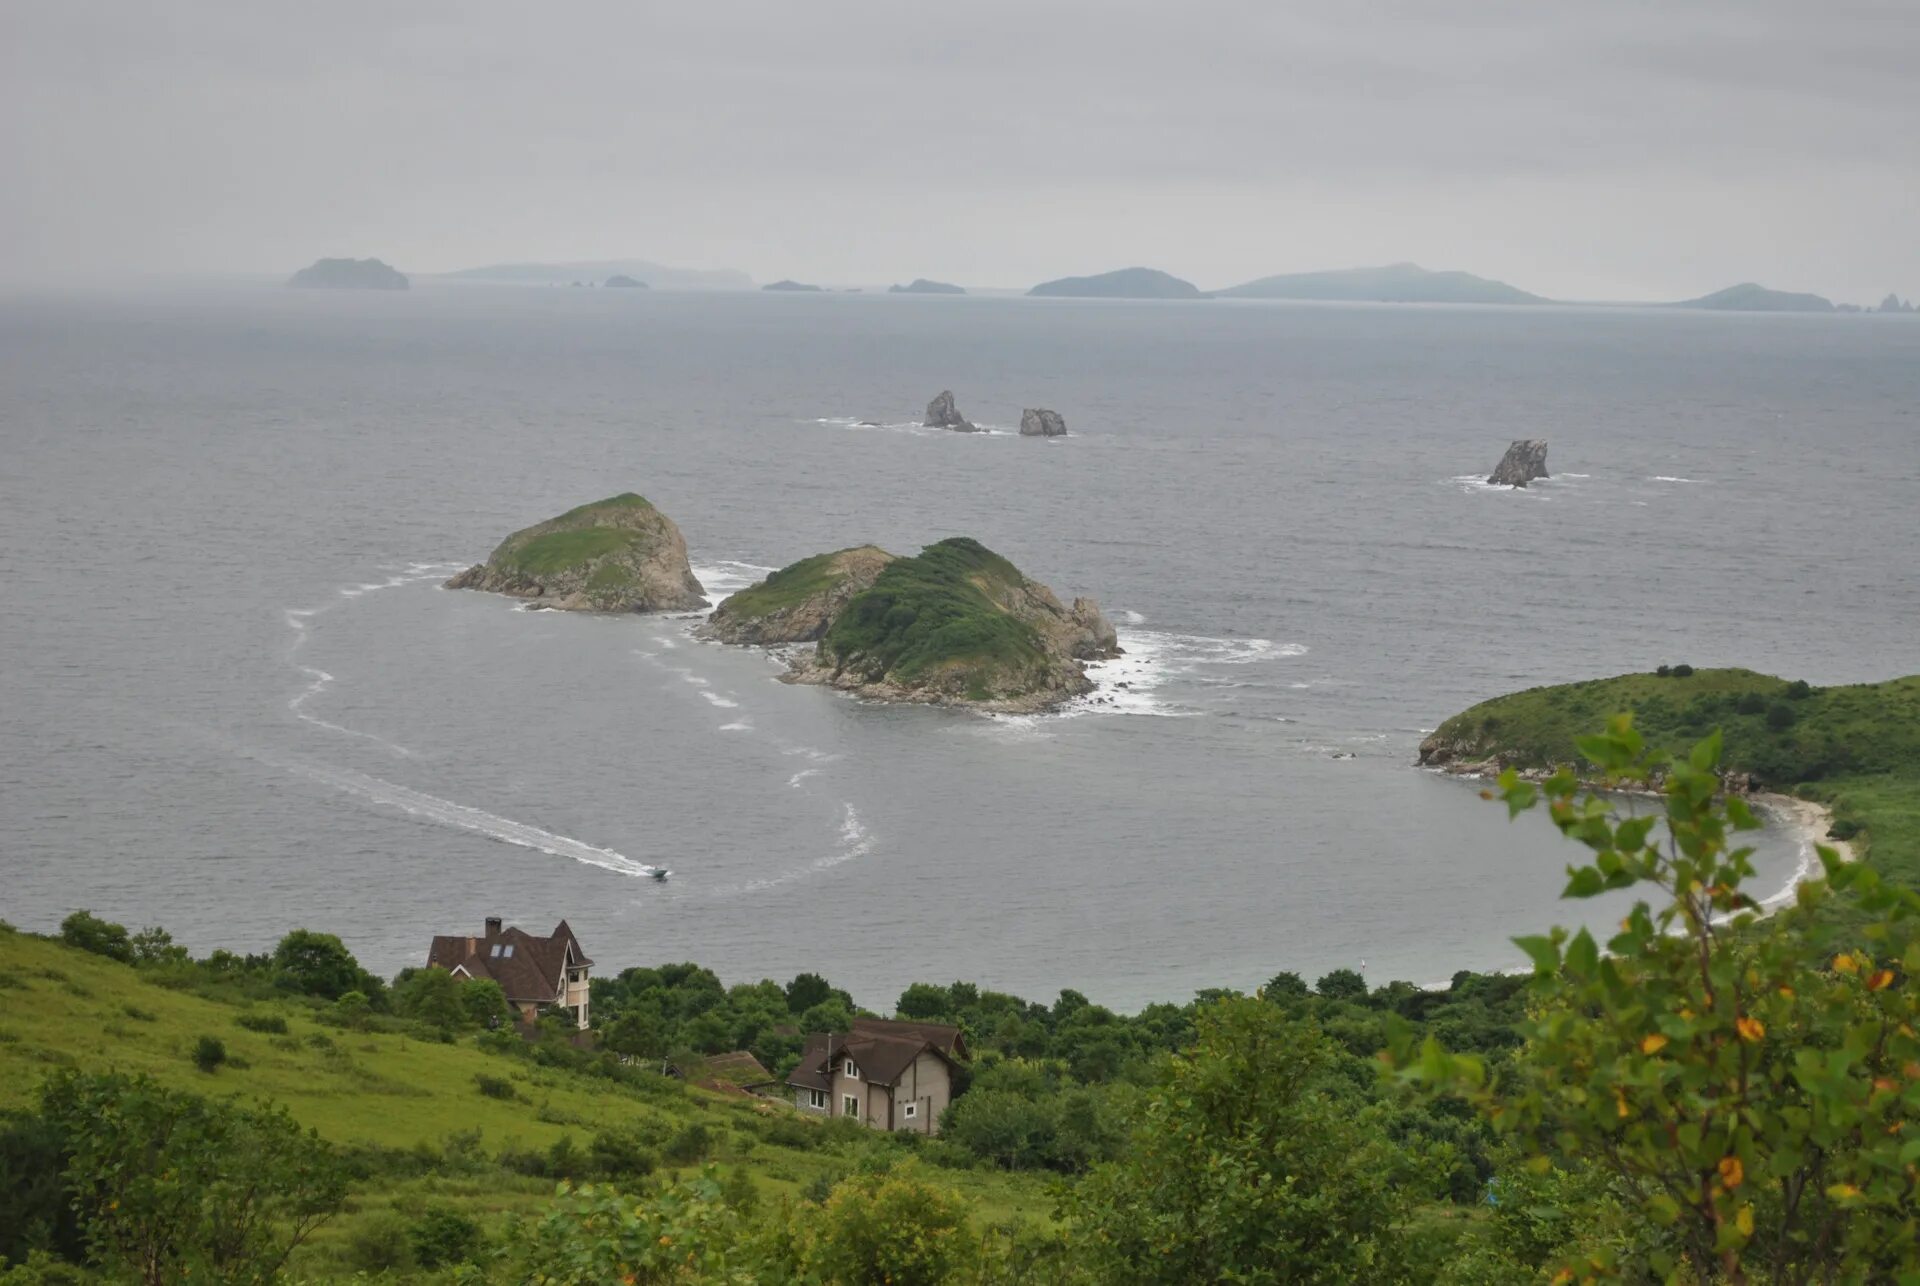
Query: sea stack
{"points": [[615, 555], [1038, 422], [1524, 461], [943, 414]]}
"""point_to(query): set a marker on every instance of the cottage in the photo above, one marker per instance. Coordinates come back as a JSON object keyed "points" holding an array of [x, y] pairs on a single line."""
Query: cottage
{"points": [[537, 974], [888, 1074]]}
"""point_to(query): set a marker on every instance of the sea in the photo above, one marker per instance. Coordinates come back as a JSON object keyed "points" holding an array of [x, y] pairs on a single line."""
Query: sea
{"points": [[235, 700]]}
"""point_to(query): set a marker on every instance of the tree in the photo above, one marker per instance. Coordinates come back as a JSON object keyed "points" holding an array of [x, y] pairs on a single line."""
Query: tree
{"points": [[155, 946], [1748, 1084], [317, 964], [807, 990], [1342, 984], [1285, 987], [636, 1035], [433, 996], [1242, 1167], [893, 1228], [172, 1186], [482, 1002], [925, 1002], [684, 1232], [88, 932]]}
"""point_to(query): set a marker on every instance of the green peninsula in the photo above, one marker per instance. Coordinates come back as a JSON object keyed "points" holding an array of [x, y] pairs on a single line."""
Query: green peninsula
{"points": [[615, 555], [1854, 748]]}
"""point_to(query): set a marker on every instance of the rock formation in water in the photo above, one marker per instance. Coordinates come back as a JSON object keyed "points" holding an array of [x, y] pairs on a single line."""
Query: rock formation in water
{"points": [[1524, 461], [799, 602], [1893, 304], [959, 625], [348, 274], [1124, 283], [1038, 422], [616, 555], [921, 286], [1749, 297], [620, 281], [943, 414], [789, 285]]}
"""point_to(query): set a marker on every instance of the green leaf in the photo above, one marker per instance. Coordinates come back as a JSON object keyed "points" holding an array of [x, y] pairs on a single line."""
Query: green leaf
{"points": [[1706, 753], [1585, 882], [1544, 952]]}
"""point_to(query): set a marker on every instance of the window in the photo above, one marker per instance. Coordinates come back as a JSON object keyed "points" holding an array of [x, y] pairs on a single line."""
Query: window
{"points": [[910, 1111], [507, 950], [850, 1106], [853, 1073], [495, 953], [816, 1098]]}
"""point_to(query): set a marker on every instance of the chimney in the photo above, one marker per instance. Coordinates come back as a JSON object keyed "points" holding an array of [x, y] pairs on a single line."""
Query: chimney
{"points": [[493, 926]]}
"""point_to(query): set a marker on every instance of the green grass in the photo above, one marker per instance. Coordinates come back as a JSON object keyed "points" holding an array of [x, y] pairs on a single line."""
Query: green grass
{"points": [[625, 500], [933, 611], [1855, 747], [560, 551], [788, 587]]}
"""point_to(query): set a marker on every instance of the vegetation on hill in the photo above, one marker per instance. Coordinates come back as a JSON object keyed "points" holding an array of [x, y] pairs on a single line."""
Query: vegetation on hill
{"points": [[922, 286], [614, 555], [1401, 283], [349, 274], [1123, 283], [1749, 297], [799, 602]]}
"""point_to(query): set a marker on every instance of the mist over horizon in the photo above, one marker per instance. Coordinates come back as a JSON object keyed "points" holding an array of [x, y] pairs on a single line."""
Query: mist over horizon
{"points": [[1591, 152]]}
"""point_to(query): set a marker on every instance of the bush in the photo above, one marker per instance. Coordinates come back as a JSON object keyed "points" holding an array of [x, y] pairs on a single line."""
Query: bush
{"points": [[442, 1236], [139, 1015], [1799, 690], [209, 1052], [618, 1154], [352, 1009], [1843, 829], [692, 1143], [270, 1023], [381, 1244], [1781, 716], [1682, 671], [495, 1087], [89, 932], [894, 1228], [1750, 703], [1665, 671]]}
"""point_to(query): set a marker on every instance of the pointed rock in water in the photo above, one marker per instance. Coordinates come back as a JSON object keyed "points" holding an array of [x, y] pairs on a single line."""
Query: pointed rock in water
{"points": [[943, 414], [1038, 422], [1524, 461], [616, 555], [798, 603]]}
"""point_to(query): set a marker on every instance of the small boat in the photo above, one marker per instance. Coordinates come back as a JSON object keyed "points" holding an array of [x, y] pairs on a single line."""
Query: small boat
{"points": [[658, 872]]}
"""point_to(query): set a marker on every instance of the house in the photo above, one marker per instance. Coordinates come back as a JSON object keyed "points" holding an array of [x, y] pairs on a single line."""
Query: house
{"points": [[738, 1073], [537, 974], [888, 1074]]}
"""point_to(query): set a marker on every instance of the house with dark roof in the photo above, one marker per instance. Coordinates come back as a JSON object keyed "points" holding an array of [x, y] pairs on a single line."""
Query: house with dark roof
{"points": [[537, 974], [887, 1074]]}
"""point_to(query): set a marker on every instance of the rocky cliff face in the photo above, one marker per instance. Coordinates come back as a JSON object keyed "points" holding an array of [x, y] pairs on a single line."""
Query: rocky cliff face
{"points": [[1524, 461], [616, 555], [943, 414], [796, 604], [1042, 423]]}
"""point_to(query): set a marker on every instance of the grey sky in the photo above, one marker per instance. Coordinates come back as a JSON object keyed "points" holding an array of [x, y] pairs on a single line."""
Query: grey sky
{"points": [[1581, 148]]}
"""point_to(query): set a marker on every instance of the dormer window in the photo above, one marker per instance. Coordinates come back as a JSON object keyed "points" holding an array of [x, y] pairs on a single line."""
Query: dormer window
{"points": [[853, 1073]]}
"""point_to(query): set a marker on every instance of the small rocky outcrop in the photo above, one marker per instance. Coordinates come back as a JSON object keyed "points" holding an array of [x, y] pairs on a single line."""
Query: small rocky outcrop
{"points": [[1524, 461], [348, 274], [1038, 422], [620, 281], [921, 286], [943, 414], [798, 603], [616, 555], [789, 285]]}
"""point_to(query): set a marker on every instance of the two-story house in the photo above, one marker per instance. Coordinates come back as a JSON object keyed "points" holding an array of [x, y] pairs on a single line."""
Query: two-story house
{"points": [[537, 974], [888, 1074]]}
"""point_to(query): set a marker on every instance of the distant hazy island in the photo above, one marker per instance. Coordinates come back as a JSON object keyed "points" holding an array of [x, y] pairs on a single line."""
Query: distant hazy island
{"points": [[1126, 283], [921, 286], [620, 281], [615, 555], [788, 285], [659, 276], [1747, 297], [348, 274], [1400, 283], [955, 625]]}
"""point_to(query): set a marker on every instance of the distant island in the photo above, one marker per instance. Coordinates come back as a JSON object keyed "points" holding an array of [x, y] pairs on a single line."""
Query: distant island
{"points": [[788, 285], [955, 625], [620, 281], [348, 274], [1400, 283], [659, 276], [921, 286], [1125, 283], [615, 555], [1747, 297]]}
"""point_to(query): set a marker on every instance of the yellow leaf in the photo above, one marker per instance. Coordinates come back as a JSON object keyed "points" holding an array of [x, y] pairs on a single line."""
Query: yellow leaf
{"points": [[1744, 1221], [1881, 980], [1653, 1044], [1843, 1191], [1732, 1173], [1620, 1101], [1751, 1030], [1845, 963]]}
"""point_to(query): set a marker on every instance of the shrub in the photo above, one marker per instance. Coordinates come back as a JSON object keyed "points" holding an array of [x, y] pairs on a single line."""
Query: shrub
{"points": [[618, 1154], [138, 1014], [270, 1023], [1750, 703], [380, 1244], [89, 932], [442, 1236], [495, 1086], [791, 1132], [1843, 829], [1682, 671], [691, 1143], [208, 1053], [894, 1228], [738, 1190], [1799, 690], [352, 1009], [1665, 671], [1780, 716]]}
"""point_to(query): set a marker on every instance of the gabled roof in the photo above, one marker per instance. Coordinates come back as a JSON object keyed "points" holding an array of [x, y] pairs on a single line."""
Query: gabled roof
{"points": [[880, 1048], [529, 969]]}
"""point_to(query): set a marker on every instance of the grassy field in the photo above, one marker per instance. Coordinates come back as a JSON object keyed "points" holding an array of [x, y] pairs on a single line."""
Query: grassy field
{"points": [[1854, 747], [403, 1094]]}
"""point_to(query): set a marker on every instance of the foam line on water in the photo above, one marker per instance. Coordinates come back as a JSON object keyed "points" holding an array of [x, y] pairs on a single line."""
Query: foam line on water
{"points": [[445, 812], [1132, 683]]}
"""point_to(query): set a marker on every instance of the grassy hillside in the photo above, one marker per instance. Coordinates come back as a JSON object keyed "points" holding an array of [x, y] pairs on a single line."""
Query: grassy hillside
{"points": [[933, 611], [1855, 747], [794, 584], [575, 538]]}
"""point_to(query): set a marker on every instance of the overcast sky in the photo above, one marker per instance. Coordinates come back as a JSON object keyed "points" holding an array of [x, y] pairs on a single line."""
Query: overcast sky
{"points": [[1579, 148]]}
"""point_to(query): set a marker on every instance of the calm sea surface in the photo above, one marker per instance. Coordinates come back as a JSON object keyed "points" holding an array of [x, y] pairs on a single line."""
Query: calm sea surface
{"points": [[234, 700]]}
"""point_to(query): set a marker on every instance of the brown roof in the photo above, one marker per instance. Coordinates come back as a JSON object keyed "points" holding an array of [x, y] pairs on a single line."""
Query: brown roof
{"points": [[740, 1067], [880, 1048], [529, 969]]}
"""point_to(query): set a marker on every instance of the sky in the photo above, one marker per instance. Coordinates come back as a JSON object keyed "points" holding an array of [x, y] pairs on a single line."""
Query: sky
{"points": [[1583, 149]]}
